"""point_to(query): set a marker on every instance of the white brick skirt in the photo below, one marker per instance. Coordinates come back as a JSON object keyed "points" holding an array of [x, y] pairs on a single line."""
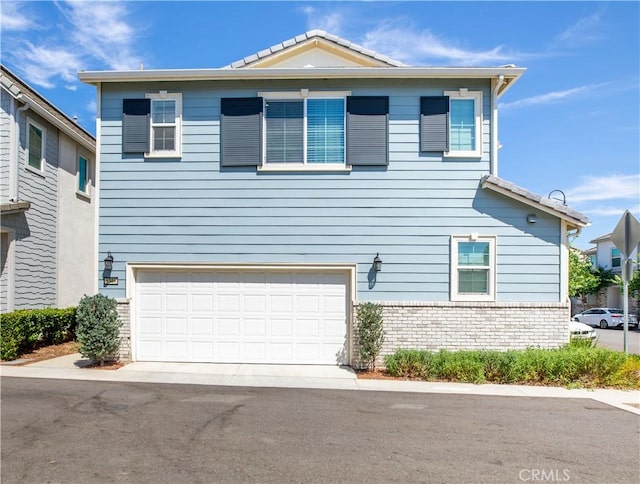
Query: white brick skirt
{"points": [[445, 325], [469, 326]]}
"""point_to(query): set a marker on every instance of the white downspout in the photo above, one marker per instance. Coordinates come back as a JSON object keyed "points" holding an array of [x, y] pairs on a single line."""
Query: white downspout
{"points": [[494, 125], [14, 193]]}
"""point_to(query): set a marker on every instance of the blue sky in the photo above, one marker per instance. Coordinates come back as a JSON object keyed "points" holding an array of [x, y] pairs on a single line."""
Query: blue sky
{"points": [[571, 123]]}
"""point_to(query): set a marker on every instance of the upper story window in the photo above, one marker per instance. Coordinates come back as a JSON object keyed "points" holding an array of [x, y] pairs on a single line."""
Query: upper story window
{"points": [[465, 123], [35, 145], [83, 175], [452, 123], [304, 131], [592, 260], [473, 268], [153, 126], [615, 257]]}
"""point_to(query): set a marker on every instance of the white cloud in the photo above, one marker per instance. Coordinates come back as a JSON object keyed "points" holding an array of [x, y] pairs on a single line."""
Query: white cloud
{"points": [[400, 40], [92, 108], [611, 187], [103, 32], [332, 22], [90, 35], [549, 97], [41, 64], [582, 31], [11, 19]]}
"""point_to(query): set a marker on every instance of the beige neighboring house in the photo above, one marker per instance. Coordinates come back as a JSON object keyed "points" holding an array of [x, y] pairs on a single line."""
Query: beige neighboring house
{"points": [[47, 202]]}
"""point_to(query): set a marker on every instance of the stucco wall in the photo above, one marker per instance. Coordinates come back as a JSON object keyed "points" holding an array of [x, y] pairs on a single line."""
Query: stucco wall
{"points": [[76, 234]]}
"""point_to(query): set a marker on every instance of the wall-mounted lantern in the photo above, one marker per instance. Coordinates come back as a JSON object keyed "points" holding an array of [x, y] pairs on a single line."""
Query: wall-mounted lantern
{"points": [[108, 262], [377, 263]]}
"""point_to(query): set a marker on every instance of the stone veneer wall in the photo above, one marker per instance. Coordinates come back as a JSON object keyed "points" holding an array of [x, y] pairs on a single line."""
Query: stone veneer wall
{"points": [[123, 308], [469, 326]]}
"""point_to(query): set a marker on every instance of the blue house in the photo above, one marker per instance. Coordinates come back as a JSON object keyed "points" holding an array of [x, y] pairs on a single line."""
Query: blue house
{"points": [[250, 209]]}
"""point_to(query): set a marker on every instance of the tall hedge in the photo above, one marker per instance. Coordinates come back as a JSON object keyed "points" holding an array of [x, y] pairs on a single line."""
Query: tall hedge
{"points": [[21, 331], [370, 332]]}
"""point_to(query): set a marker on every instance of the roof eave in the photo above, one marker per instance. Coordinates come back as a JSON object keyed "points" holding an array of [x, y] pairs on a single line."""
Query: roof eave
{"points": [[512, 74], [572, 222]]}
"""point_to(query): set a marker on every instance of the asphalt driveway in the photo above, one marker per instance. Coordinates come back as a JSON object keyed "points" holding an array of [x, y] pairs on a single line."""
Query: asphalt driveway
{"points": [[95, 432]]}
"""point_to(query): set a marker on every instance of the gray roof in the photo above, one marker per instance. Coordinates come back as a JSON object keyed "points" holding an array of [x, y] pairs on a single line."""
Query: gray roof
{"points": [[310, 35], [547, 204], [16, 86]]}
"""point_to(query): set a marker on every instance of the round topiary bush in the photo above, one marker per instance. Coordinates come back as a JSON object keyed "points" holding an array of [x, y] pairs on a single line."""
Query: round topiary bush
{"points": [[98, 328]]}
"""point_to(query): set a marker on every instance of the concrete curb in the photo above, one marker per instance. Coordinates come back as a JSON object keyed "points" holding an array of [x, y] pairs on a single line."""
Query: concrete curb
{"points": [[70, 367]]}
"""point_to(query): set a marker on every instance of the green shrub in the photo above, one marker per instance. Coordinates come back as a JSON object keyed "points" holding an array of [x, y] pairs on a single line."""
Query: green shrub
{"points": [[370, 332], [582, 366], [98, 329], [21, 331]]}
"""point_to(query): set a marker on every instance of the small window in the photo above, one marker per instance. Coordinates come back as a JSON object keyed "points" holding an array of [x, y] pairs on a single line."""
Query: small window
{"points": [[166, 129], [35, 146], [473, 268], [615, 257], [465, 123], [83, 175]]}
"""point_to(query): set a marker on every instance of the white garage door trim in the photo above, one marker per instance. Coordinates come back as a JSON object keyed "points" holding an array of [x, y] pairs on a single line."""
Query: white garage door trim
{"points": [[135, 272]]}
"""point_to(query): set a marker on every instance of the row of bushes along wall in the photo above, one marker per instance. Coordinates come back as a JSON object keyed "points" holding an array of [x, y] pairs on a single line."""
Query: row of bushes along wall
{"points": [[22, 331]]}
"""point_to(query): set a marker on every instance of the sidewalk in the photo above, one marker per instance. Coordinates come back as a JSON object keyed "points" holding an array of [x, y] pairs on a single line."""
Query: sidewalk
{"points": [[295, 376]]}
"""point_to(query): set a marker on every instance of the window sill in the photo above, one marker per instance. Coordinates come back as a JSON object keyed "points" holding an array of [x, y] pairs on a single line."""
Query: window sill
{"points": [[462, 154], [83, 196], [163, 155], [473, 298], [291, 167], [34, 170]]}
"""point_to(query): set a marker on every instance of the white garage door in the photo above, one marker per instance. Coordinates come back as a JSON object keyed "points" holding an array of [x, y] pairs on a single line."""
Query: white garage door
{"points": [[241, 317]]}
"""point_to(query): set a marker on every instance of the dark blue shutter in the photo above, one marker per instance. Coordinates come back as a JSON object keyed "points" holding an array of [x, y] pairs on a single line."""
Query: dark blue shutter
{"points": [[367, 130], [136, 125], [434, 123], [241, 133]]}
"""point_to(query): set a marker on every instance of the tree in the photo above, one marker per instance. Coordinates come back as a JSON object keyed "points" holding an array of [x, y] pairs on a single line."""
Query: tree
{"points": [[370, 332], [582, 279]]}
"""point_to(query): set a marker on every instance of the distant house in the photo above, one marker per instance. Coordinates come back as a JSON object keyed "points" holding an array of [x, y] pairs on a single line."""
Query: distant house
{"points": [[607, 256], [250, 209], [47, 205]]}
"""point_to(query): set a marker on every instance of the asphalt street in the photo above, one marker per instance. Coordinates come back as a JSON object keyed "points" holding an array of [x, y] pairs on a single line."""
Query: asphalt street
{"points": [[613, 338], [99, 432]]}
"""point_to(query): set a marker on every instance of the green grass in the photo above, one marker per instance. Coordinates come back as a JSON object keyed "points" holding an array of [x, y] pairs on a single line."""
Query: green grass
{"points": [[572, 365]]}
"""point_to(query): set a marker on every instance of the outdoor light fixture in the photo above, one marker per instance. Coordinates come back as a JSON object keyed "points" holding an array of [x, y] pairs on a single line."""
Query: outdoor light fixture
{"points": [[532, 218], [377, 263], [108, 262]]}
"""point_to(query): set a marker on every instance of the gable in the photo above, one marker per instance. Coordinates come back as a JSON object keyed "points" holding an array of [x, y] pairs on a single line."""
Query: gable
{"points": [[316, 48]]}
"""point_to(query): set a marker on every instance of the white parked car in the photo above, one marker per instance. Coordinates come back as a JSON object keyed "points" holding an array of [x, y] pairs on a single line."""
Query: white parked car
{"points": [[582, 331], [605, 318]]}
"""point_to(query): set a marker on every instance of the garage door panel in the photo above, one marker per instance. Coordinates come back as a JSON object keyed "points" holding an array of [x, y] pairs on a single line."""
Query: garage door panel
{"points": [[228, 327], [202, 326], [176, 327], [176, 350], [235, 317], [202, 303], [176, 303], [201, 351]]}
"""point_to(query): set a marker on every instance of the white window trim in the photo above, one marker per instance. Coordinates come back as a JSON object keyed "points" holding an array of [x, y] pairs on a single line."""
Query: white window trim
{"points": [[303, 94], [455, 296], [39, 171], [177, 153], [477, 98], [87, 192]]}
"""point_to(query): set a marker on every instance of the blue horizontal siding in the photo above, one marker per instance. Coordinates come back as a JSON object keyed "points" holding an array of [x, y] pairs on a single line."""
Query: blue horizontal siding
{"points": [[190, 211]]}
